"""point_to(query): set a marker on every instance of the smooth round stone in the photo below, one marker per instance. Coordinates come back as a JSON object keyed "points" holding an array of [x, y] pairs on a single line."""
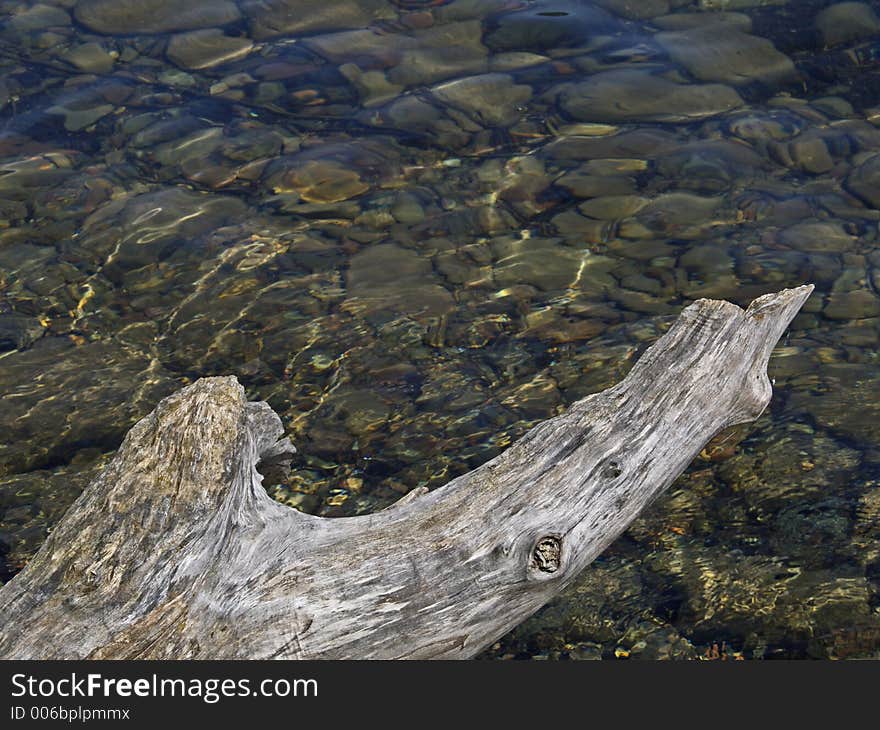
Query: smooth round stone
{"points": [[251, 145], [586, 129], [850, 406], [834, 106], [811, 155], [544, 25], [635, 9], [387, 277], [407, 209], [90, 58], [681, 209], [206, 48], [76, 120], [852, 305], [641, 143], [543, 263], [845, 22], [175, 77], [584, 185], [686, 21], [631, 95], [817, 237], [864, 181], [373, 86], [386, 263], [38, 17], [443, 52], [318, 181], [761, 126], [494, 99], [712, 165], [737, 4], [728, 56], [615, 166], [515, 59], [363, 44], [125, 17], [707, 258], [270, 18], [588, 229], [613, 207]]}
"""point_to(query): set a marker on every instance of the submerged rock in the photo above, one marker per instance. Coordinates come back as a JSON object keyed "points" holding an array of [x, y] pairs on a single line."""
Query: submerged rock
{"points": [[843, 400], [633, 95], [864, 181], [845, 22], [206, 48], [727, 55], [685, 21], [635, 9], [90, 57], [79, 119], [817, 236], [38, 17], [124, 17], [270, 18], [546, 264], [389, 278], [543, 25], [317, 181], [493, 99], [107, 386], [18, 331]]}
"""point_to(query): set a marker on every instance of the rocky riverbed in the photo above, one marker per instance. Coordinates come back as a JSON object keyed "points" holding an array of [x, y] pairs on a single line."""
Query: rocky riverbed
{"points": [[417, 228]]}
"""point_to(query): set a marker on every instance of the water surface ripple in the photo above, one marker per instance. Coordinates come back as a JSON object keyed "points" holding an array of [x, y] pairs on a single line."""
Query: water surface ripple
{"points": [[416, 228]]}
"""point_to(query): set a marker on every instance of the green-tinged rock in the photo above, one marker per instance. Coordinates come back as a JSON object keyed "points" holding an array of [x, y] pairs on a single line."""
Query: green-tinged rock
{"points": [[817, 236], [18, 332], [686, 21], [864, 181], [76, 120], [492, 99], [584, 185], [728, 56], [91, 58], [126, 17], [845, 22], [844, 401], [389, 278], [206, 48], [635, 9], [319, 181], [612, 207], [38, 17], [631, 95], [271, 18], [547, 264], [852, 305]]}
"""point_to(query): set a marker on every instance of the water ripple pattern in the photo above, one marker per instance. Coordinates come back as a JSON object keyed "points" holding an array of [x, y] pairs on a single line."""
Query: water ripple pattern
{"points": [[418, 228]]}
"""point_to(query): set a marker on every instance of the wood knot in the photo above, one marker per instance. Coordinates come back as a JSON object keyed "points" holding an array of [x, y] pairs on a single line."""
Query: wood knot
{"points": [[547, 554], [612, 471]]}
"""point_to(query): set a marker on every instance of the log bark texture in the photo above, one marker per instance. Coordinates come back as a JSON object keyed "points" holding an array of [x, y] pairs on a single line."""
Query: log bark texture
{"points": [[176, 551]]}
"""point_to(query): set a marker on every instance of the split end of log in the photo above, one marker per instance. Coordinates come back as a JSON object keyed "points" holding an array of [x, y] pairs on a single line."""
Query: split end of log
{"points": [[176, 550]]}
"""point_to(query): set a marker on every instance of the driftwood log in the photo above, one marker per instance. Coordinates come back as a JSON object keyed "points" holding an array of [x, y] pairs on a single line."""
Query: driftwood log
{"points": [[176, 550]]}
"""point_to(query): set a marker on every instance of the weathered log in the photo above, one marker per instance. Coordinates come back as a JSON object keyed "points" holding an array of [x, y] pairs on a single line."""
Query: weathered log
{"points": [[176, 550]]}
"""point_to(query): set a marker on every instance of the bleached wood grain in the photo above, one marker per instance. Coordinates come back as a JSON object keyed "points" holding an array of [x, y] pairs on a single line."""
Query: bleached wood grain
{"points": [[176, 550]]}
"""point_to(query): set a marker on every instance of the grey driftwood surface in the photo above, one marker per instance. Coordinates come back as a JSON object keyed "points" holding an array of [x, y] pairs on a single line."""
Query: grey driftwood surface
{"points": [[176, 551]]}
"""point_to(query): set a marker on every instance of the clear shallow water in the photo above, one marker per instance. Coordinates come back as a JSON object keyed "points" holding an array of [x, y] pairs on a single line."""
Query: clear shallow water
{"points": [[418, 228]]}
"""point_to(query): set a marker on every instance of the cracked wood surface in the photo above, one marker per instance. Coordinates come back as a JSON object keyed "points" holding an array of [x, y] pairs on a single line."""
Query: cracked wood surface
{"points": [[176, 551]]}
